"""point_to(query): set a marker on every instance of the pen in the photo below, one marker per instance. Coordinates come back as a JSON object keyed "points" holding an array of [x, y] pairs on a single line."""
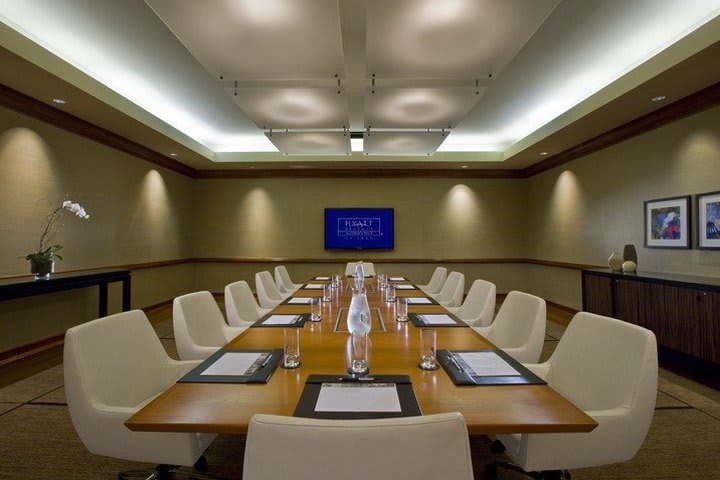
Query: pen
{"points": [[457, 365], [267, 360]]}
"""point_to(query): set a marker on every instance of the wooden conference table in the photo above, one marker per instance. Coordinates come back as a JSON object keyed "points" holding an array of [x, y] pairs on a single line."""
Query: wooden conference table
{"points": [[227, 408]]}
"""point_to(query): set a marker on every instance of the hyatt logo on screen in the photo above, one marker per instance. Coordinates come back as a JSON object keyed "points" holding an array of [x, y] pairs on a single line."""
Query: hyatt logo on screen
{"points": [[358, 228]]}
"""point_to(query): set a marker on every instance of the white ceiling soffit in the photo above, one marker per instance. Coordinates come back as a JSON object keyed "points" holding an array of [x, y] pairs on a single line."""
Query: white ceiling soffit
{"points": [[449, 38], [403, 143], [433, 107], [311, 143], [280, 108], [258, 39]]}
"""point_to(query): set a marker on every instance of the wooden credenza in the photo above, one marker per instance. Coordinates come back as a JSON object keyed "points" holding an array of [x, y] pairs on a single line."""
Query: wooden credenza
{"points": [[683, 311]]}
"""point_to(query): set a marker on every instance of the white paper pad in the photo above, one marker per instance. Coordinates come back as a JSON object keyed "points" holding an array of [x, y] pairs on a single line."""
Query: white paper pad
{"points": [[439, 319], [486, 364], [322, 278], [232, 363], [300, 300], [418, 300], [357, 397], [397, 279], [404, 287], [280, 320], [314, 285]]}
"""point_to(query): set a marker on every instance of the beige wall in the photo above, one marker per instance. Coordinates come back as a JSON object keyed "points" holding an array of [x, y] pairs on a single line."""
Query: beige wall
{"points": [[585, 210], [139, 213]]}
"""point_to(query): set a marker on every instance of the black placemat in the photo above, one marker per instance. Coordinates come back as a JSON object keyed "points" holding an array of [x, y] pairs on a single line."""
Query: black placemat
{"points": [[304, 318], [458, 377], [263, 368], [409, 406], [414, 318]]}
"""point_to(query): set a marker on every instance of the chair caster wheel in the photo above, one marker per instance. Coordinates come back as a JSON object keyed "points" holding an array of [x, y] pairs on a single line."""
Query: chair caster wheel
{"points": [[490, 471], [497, 447], [201, 464]]}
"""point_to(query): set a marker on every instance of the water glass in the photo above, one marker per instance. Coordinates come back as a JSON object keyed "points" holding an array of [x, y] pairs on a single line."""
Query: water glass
{"points": [[336, 281], [327, 293], [401, 310], [428, 347], [291, 349], [315, 309], [359, 354], [390, 293]]}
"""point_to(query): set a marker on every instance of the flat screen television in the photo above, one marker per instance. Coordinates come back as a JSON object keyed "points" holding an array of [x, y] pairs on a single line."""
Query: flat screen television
{"points": [[359, 228]]}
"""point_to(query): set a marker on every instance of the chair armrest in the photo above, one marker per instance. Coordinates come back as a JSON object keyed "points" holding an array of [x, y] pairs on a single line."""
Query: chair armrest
{"points": [[174, 369], [232, 332], [539, 369], [484, 331]]}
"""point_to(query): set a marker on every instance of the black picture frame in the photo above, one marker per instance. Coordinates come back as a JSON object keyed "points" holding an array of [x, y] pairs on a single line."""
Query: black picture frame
{"points": [[680, 216], [703, 224]]}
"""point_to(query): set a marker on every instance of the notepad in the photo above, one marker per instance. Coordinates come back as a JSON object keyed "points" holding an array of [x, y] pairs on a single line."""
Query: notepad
{"points": [[404, 287], [418, 300], [358, 397], [233, 363], [300, 300], [314, 285], [281, 320], [322, 278], [486, 364], [396, 279], [438, 319]]}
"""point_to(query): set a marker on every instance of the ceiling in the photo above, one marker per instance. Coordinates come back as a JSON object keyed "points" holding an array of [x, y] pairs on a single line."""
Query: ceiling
{"points": [[232, 84]]}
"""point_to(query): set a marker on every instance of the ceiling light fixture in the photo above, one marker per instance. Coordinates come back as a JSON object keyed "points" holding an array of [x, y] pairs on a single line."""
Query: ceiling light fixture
{"points": [[464, 166], [543, 153], [59, 101], [659, 98], [356, 141], [173, 154]]}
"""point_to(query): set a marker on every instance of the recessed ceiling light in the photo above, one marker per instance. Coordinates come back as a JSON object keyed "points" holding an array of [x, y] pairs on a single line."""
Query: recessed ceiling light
{"points": [[543, 153], [464, 166], [173, 154], [659, 98], [59, 101]]}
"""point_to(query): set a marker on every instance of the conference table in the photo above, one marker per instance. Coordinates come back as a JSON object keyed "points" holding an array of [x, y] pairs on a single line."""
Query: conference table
{"points": [[228, 407]]}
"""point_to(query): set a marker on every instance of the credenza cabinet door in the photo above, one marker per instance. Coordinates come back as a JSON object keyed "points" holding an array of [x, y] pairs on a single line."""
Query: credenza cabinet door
{"points": [[683, 317], [598, 294], [711, 302], [638, 303]]}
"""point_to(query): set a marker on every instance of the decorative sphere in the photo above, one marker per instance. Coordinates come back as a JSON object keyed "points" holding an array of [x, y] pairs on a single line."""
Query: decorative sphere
{"points": [[629, 266]]}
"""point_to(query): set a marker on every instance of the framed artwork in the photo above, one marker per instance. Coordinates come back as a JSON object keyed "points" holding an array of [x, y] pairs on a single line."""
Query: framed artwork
{"points": [[708, 208], [667, 222]]}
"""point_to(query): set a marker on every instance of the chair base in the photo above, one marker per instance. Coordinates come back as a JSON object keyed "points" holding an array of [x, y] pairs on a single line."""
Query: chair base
{"points": [[491, 472], [167, 472]]}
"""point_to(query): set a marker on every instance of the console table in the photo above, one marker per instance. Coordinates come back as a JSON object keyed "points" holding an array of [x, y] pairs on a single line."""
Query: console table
{"points": [[28, 286], [682, 310]]}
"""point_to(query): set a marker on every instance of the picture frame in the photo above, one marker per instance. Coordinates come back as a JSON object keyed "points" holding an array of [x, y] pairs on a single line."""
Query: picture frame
{"points": [[667, 222], [708, 220]]}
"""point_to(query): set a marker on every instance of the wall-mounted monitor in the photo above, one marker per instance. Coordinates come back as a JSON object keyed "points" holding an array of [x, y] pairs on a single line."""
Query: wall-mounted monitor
{"points": [[359, 229]]}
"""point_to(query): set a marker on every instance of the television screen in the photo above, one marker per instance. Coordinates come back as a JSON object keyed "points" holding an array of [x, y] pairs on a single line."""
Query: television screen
{"points": [[359, 228]]}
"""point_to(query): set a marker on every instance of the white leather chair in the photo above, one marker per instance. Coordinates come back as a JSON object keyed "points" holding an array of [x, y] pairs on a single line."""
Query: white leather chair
{"points": [[240, 306], [519, 327], [451, 293], [267, 291], [368, 268], [411, 448], [436, 281], [112, 367], [609, 369], [199, 327], [283, 280], [478, 309]]}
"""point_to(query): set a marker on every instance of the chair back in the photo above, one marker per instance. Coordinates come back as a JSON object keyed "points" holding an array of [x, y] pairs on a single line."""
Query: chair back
{"points": [[451, 294], [116, 360], [240, 305], [437, 280], [283, 281], [520, 323], [478, 309], [431, 446], [197, 320], [602, 363], [267, 290]]}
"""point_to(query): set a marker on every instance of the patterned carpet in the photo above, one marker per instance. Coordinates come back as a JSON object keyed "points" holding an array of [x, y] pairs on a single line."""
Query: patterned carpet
{"points": [[38, 440]]}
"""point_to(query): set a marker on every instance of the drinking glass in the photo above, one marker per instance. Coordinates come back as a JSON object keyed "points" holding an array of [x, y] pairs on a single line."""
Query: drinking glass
{"points": [[358, 362], [336, 281], [390, 293], [315, 309], [291, 349], [401, 310], [327, 293], [428, 347]]}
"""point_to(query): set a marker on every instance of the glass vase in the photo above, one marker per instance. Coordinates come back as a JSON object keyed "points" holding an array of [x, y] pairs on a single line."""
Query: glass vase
{"points": [[42, 269]]}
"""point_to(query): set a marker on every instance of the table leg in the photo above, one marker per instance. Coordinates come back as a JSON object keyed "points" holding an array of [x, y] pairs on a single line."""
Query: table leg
{"points": [[103, 300], [126, 304]]}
